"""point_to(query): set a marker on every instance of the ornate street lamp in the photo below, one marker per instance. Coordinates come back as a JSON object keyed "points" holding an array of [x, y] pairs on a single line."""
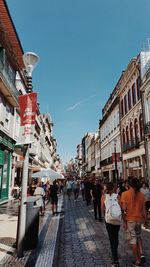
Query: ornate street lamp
{"points": [[30, 61]]}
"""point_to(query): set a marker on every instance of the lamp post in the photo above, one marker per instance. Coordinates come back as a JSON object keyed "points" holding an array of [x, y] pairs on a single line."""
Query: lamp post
{"points": [[115, 156], [30, 61]]}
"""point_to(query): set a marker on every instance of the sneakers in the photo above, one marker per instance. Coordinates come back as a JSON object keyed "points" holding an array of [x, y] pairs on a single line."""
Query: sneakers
{"points": [[143, 258], [115, 264]]}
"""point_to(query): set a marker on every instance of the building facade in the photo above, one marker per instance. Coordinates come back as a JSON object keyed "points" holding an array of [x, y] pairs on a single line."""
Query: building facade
{"points": [[131, 121], [10, 64], [110, 149]]}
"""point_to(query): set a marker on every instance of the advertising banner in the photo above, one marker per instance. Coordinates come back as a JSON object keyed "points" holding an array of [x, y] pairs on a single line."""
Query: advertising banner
{"points": [[27, 105], [115, 157]]}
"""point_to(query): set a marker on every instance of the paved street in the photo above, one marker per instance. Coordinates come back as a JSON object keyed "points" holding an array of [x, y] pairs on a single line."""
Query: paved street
{"points": [[84, 241], [71, 239]]}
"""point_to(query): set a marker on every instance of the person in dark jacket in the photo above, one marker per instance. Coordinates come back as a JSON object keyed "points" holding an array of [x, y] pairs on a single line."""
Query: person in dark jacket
{"points": [[96, 193], [54, 197], [87, 188]]}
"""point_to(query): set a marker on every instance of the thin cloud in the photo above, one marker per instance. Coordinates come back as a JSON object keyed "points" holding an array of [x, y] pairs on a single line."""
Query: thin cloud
{"points": [[74, 106], [79, 103]]}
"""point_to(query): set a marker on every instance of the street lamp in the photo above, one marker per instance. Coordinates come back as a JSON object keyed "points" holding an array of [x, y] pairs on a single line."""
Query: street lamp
{"points": [[30, 61], [115, 156]]}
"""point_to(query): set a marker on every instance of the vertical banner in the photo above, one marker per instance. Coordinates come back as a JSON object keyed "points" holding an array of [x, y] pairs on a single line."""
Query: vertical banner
{"points": [[115, 156], [27, 105]]}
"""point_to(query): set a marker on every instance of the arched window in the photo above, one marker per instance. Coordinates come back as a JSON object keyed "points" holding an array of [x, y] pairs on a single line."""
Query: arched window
{"points": [[133, 94], [127, 134], [123, 136], [141, 127], [136, 130], [131, 131], [129, 99]]}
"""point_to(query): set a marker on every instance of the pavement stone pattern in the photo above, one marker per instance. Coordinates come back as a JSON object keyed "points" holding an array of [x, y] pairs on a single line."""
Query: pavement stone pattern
{"points": [[84, 241]]}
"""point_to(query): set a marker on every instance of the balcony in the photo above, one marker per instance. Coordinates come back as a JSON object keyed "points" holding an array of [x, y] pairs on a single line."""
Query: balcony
{"points": [[147, 127], [106, 162], [7, 83], [134, 143]]}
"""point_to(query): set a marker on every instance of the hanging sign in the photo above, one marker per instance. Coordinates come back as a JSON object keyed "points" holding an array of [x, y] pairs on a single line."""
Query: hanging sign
{"points": [[27, 105]]}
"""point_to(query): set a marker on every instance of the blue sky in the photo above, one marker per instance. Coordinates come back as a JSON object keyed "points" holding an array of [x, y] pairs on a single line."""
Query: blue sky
{"points": [[83, 47]]}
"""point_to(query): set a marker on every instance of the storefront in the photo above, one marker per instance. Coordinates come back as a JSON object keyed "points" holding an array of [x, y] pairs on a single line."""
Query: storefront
{"points": [[135, 163], [6, 148]]}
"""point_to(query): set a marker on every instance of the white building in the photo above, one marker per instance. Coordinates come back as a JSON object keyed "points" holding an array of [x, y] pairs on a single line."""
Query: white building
{"points": [[97, 154], [111, 167], [89, 152]]}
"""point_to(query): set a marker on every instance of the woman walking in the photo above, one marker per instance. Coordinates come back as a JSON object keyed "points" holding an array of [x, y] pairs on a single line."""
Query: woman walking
{"points": [[112, 225]]}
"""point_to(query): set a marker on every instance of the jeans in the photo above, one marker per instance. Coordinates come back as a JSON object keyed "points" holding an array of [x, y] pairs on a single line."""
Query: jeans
{"points": [[113, 233], [97, 208]]}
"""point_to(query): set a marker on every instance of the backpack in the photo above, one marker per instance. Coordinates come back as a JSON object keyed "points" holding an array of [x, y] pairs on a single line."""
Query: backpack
{"points": [[113, 214]]}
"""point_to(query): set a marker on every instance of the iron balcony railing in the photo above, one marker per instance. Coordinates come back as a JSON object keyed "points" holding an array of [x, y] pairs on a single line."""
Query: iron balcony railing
{"points": [[7, 75], [147, 127], [134, 143]]}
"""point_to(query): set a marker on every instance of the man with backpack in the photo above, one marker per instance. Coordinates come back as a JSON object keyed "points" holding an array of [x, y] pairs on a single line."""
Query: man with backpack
{"points": [[112, 211]]}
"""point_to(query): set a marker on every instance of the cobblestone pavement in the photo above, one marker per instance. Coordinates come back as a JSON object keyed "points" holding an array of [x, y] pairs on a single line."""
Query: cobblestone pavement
{"points": [[75, 237], [84, 241]]}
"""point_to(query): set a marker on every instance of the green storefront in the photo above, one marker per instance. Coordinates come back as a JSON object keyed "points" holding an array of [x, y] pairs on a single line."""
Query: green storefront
{"points": [[6, 149]]}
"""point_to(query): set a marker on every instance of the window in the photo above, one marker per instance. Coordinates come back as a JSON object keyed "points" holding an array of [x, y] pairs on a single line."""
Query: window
{"points": [[125, 104], [133, 94], [127, 134], [136, 129], [7, 116], [129, 99], [138, 84], [141, 127], [123, 136], [122, 111], [131, 131]]}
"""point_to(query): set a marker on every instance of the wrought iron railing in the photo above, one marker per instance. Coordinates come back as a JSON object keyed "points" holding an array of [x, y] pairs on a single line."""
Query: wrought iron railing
{"points": [[134, 143]]}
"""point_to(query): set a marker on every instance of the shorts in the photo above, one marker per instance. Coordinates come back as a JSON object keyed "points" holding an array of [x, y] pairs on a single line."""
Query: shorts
{"points": [[54, 200], [69, 191], [134, 230]]}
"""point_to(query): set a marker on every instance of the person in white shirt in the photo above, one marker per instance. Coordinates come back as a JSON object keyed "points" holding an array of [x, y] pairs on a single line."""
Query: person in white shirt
{"points": [[39, 191]]}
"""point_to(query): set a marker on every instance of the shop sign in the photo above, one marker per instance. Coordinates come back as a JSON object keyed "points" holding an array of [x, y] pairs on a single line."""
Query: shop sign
{"points": [[27, 105]]}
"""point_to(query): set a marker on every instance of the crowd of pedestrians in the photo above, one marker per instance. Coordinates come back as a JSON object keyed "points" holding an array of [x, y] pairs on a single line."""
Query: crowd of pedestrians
{"points": [[128, 200], [124, 204]]}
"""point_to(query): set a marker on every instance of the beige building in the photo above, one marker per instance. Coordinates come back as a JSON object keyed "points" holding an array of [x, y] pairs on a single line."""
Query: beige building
{"points": [[131, 121]]}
